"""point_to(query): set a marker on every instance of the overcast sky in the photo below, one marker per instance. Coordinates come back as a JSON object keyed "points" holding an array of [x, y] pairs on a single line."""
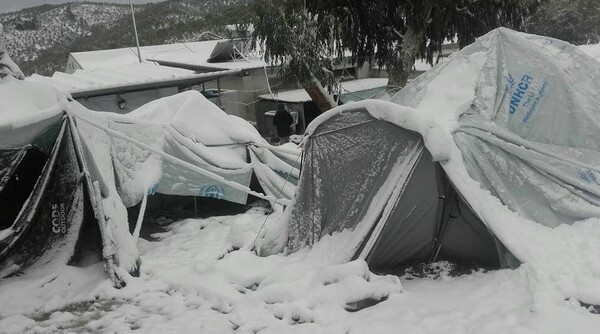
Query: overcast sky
{"points": [[14, 5]]}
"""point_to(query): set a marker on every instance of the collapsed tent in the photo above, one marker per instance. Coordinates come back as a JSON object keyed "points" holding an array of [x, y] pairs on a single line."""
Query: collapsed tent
{"points": [[385, 178], [185, 145], [66, 171]]}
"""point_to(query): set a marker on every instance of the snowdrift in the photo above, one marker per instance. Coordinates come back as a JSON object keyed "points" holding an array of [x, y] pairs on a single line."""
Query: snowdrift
{"points": [[513, 120]]}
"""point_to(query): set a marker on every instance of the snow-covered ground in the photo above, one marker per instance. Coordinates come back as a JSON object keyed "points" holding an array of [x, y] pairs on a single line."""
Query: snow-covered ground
{"points": [[199, 276], [202, 276]]}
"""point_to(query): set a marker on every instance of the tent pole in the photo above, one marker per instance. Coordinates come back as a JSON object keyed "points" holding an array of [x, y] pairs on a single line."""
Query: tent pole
{"points": [[195, 207], [219, 93], [137, 41]]}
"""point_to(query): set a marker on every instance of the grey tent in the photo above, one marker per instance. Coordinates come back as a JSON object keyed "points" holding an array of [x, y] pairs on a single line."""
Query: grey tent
{"points": [[359, 170], [512, 123]]}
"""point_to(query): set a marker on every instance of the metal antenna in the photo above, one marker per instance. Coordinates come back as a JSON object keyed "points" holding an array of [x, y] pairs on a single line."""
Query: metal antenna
{"points": [[137, 41]]}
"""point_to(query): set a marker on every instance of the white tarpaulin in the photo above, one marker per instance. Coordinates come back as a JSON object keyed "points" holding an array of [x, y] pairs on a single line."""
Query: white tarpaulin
{"points": [[162, 146], [532, 133]]}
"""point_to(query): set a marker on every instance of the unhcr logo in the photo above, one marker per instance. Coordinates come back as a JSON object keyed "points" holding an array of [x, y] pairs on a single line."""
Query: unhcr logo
{"points": [[518, 92], [212, 191], [525, 95], [588, 176]]}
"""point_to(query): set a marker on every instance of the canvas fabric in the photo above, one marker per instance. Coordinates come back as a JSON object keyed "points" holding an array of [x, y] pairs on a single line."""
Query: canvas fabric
{"points": [[377, 181], [347, 162], [532, 134]]}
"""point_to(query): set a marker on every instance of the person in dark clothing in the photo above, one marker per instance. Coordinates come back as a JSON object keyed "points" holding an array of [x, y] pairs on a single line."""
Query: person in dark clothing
{"points": [[283, 120]]}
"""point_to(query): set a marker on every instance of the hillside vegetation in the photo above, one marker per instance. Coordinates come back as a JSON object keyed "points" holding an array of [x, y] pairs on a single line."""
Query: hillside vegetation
{"points": [[39, 39]]}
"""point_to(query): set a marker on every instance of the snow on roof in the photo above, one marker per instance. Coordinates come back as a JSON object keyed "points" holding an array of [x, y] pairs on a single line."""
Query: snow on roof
{"points": [[300, 95], [193, 60], [193, 54], [197, 118], [91, 60], [83, 82]]}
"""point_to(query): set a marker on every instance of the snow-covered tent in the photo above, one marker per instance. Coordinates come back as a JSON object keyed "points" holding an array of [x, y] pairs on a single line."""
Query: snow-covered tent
{"points": [[47, 193], [185, 145], [481, 158], [67, 172], [371, 176]]}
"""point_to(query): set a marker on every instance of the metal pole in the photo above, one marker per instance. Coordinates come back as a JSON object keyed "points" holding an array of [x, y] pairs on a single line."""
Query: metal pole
{"points": [[195, 208], [137, 41], [219, 93]]}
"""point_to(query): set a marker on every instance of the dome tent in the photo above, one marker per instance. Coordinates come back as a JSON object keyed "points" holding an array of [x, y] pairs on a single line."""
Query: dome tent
{"points": [[514, 116], [399, 202]]}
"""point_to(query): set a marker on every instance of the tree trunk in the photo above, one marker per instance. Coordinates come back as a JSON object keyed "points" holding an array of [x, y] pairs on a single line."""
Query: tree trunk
{"points": [[319, 95], [401, 67]]}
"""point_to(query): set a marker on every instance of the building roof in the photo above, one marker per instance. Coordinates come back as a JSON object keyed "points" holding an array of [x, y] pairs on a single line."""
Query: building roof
{"points": [[300, 95], [103, 81], [187, 55]]}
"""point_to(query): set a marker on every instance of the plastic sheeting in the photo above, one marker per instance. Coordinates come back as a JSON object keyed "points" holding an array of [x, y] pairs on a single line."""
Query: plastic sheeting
{"points": [[138, 170], [532, 134], [188, 130]]}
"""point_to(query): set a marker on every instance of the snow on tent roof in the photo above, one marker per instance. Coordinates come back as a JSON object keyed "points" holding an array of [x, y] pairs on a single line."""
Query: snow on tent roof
{"points": [[44, 174], [60, 156], [513, 120], [352, 86], [185, 145], [198, 119], [192, 54], [107, 80], [592, 50], [27, 109]]}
